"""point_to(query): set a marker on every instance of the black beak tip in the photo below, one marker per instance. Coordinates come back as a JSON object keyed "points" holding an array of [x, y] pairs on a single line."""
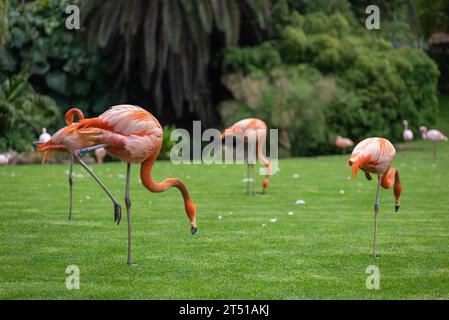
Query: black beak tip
{"points": [[396, 208], [193, 230]]}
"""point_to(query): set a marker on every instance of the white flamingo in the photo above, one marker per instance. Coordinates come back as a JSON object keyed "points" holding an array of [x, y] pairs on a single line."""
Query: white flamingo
{"points": [[434, 136], [407, 134]]}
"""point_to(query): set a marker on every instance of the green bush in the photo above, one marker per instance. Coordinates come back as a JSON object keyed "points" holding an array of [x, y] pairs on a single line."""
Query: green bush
{"points": [[56, 58], [23, 113], [167, 144], [333, 80]]}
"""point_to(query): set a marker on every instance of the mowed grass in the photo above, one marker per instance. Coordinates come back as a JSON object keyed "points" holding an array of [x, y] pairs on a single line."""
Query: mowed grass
{"points": [[320, 252]]}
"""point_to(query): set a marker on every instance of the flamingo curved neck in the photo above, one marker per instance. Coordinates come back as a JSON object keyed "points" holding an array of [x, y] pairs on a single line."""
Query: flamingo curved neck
{"points": [[151, 185]]}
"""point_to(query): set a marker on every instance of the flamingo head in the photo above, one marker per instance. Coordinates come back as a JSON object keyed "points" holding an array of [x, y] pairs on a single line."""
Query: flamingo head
{"points": [[405, 123], [191, 214]]}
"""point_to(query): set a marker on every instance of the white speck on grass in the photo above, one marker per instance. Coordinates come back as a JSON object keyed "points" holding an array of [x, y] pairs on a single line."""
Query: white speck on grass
{"points": [[274, 220], [264, 224], [295, 176], [342, 191], [87, 197], [230, 212], [13, 175], [187, 177], [220, 217], [290, 213], [121, 176], [247, 180], [300, 202]]}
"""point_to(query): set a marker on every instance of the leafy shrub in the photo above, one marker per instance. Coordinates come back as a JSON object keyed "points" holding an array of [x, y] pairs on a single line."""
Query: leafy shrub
{"points": [[23, 113], [332, 80], [56, 58], [167, 144]]}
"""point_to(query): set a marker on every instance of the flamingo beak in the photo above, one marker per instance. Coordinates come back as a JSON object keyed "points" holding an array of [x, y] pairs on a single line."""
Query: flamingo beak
{"points": [[193, 229]]}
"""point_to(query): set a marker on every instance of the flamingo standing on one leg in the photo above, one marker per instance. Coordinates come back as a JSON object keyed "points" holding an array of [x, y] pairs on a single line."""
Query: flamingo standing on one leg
{"points": [[343, 143], [407, 134], [252, 129], [374, 155], [434, 136], [133, 135]]}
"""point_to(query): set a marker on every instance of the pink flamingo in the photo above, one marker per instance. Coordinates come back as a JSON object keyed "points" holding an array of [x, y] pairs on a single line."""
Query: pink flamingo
{"points": [[407, 134], [343, 143], [252, 129], [434, 136], [134, 136], [374, 155], [100, 154]]}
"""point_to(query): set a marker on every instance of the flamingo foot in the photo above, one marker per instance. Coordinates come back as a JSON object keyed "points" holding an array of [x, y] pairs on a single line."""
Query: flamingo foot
{"points": [[117, 213], [396, 208], [193, 230]]}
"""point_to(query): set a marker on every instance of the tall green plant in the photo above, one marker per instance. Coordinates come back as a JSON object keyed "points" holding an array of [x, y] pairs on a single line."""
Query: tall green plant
{"points": [[168, 45], [23, 113], [56, 58], [3, 21]]}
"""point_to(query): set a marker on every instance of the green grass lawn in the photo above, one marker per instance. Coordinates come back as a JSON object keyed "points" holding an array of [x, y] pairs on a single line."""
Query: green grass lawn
{"points": [[319, 252]]}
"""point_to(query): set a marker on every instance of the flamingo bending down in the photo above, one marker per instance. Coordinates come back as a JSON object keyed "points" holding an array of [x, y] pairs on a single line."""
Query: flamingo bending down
{"points": [[407, 134], [255, 130], [133, 135], [343, 143], [374, 155], [434, 136]]}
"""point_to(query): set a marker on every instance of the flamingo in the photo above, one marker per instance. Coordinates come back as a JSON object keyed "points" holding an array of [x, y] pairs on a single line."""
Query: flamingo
{"points": [[343, 143], [45, 136], [131, 134], [100, 154], [434, 136], [374, 155], [4, 159], [407, 134], [251, 128]]}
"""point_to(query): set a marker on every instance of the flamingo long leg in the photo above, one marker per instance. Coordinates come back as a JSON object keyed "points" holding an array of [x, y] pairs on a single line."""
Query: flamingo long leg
{"points": [[253, 181], [128, 211], [248, 181], [434, 153], [376, 211], [117, 208], [71, 187]]}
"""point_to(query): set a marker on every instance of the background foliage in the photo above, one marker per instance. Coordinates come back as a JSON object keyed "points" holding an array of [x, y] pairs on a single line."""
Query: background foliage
{"points": [[325, 75], [307, 67], [22, 113], [169, 50]]}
